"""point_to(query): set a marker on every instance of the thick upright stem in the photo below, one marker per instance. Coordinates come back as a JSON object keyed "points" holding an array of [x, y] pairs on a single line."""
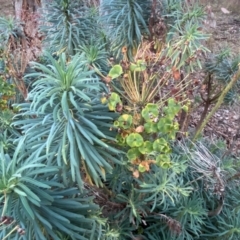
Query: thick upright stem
{"points": [[218, 104], [203, 115], [18, 9]]}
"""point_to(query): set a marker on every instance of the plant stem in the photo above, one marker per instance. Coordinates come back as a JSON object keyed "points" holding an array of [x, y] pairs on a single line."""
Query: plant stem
{"points": [[13, 230], [206, 101], [218, 104], [203, 115]]}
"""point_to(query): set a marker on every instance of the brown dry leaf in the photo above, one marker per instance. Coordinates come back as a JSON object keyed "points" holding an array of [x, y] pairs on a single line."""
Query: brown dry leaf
{"points": [[147, 58], [136, 174], [146, 164], [139, 129], [124, 49], [225, 11], [176, 74], [136, 161], [107, 79], [124, 134]]}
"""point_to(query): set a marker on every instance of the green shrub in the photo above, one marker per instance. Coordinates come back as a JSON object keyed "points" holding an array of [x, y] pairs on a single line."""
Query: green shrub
{"points": [[68, 121], [83, 158]]}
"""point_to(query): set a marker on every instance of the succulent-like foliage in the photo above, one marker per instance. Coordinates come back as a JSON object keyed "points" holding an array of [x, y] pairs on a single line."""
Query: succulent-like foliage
{"points": [[68, 24], [7, 29], [125, 22], [184, 35], [68, 121], [82, 158], [96, 55], [36, 204]]}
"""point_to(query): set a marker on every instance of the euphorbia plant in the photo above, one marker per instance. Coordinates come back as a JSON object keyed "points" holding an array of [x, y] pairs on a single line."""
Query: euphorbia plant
{"points": [[69, 121], [147, 138]]}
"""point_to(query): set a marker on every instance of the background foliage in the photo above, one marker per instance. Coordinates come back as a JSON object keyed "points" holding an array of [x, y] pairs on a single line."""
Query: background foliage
{"points": [[99, 146]]}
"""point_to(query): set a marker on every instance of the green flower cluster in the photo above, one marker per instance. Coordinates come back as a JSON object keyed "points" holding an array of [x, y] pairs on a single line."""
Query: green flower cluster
{"points": [[7, 91], [148, 136]]}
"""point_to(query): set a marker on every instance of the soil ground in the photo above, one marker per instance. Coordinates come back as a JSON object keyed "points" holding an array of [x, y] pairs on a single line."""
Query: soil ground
{"points": [[5, 7], [225, 124], [227, 31]]}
